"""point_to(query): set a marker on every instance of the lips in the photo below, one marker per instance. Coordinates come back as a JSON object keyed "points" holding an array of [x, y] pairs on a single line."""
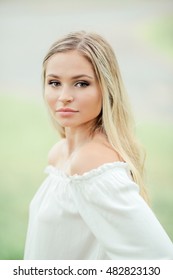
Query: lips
{"points": [[66, 110]]}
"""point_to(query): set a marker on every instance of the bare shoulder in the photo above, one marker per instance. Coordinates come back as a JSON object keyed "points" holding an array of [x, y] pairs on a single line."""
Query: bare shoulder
{"points": [[91, 156], [55, 152]]}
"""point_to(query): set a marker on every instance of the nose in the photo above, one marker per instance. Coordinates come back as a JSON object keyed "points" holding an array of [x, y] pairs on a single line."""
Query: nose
{"points": [[65, 95]]}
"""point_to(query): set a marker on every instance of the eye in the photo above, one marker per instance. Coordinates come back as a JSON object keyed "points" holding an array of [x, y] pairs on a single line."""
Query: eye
{"points": [[54, 83], [82, 84]]}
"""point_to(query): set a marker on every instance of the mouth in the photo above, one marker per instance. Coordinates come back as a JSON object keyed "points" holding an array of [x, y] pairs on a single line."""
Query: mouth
{"points": [[66, 110]]}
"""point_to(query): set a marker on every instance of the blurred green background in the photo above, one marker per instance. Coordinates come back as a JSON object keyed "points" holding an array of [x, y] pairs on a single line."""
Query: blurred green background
{"points": [[24, 147], [143, 31]]}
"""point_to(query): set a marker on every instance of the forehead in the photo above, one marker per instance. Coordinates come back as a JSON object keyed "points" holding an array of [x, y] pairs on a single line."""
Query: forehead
{"points": [[70, 62]]}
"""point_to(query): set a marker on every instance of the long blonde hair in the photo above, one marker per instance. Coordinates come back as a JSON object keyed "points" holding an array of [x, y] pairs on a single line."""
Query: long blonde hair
{"points": [[116, 119]]}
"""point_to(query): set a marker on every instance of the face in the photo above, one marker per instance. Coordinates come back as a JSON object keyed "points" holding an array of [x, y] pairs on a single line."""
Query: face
{"points": [[72, 91]]}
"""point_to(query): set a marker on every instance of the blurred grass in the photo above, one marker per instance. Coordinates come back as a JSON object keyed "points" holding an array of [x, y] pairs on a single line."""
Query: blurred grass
{"points": [[26, 137], [157, 139]]}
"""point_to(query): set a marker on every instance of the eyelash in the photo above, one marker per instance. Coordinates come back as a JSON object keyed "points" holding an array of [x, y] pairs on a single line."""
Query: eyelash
{"points": [[83, 84], [56, 83]]}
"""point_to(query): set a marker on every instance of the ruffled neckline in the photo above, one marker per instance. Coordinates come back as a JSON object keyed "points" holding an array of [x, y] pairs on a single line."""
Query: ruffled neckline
{"points": [[50, 169]]}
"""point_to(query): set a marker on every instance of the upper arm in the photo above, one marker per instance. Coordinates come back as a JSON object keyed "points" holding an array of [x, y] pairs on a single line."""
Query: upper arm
{"points": [[118, 217], [91, 157]]}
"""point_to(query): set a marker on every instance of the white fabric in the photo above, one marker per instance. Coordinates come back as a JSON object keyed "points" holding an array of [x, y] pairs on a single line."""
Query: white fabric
{"points": [[97, 215]]}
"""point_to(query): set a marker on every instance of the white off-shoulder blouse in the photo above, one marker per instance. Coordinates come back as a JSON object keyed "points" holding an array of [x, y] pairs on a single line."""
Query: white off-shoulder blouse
{"points": [[95, 216]]}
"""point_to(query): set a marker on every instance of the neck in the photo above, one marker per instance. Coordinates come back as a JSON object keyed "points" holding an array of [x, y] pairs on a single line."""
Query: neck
{"points": [[76, 137]]}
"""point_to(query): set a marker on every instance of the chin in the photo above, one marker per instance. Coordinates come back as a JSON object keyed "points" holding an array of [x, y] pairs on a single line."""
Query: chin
{"points": [[67, 124]]}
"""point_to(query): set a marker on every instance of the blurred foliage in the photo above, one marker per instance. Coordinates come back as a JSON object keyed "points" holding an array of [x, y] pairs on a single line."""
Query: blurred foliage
{"points": [[157, 139], [159, 33], [26, 137]]}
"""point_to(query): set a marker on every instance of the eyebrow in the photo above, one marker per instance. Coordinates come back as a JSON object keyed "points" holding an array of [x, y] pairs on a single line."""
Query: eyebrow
{"points": [[73, 78]]}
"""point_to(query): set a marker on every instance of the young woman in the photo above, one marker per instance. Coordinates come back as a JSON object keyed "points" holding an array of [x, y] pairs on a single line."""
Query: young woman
{"points": [[93, 204]]}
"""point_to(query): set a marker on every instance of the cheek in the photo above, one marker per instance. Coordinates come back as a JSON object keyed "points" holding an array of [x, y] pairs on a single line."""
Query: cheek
{"points": [[97, 102], [92, 105], [50, 99]]}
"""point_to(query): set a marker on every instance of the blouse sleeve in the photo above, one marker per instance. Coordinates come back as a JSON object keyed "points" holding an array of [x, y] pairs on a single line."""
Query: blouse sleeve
{"points": [[117, 215]]}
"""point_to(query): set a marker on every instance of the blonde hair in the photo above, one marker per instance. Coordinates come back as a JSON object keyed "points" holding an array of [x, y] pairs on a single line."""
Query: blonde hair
{"points": [[115, 119]]}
